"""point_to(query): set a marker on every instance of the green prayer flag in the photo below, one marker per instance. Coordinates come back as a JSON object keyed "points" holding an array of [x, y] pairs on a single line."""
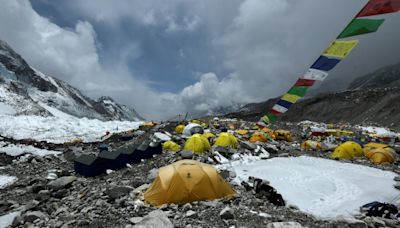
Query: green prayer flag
{"points": [[271, 117], [361, 26], [298, 90]]}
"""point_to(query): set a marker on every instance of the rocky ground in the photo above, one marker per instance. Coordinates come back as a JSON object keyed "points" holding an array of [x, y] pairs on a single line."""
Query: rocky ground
{"points": [[49, 194]]}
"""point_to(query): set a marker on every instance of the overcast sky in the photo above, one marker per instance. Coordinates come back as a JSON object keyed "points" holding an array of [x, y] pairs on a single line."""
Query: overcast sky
{"points": [[164, 57]]}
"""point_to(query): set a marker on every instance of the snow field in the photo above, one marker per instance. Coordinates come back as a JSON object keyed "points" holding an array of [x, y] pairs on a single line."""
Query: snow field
{"points": [[325, 188], [60, 130]]}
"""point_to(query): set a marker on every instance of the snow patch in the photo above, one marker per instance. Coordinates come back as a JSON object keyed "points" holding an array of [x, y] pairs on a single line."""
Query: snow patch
{"points": [[325, 188], [55, 112], [6, 181], [7, 219], [60, 130], [380, 131], [17, 150], [6, 109]]}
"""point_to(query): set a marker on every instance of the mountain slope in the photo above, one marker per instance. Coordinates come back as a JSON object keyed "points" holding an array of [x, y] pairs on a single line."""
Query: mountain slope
{"points": [[385, 77], [374, 98], [29, 91]]}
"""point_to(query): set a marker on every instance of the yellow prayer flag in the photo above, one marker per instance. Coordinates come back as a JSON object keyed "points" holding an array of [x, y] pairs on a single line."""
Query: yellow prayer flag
{"points": [[291, 98], [340, 48]]}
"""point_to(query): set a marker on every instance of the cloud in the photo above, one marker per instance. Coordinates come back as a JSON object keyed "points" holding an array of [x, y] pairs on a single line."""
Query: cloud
{"points": [[255, 49], [71, 55]]}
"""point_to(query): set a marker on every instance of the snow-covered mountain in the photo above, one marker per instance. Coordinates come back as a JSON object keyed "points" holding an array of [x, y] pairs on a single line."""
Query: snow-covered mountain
{"points": [[24, 90]]}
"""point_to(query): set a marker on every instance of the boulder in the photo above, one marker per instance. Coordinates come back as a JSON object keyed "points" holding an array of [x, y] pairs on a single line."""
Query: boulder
{"points": [[116, 192], [284, 225], [227, 213], [33, 215], [155, 219], [62, 182]]}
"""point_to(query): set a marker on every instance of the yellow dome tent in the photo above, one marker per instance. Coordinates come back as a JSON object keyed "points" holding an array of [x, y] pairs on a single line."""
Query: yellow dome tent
{"points": [[197, 143], [179, 129], [259, 136], [196, 122], [379, 153], [171, 146], [186, 181], [347, 150], [209, 135], [242, 132], [226, 139], [311, 145]]}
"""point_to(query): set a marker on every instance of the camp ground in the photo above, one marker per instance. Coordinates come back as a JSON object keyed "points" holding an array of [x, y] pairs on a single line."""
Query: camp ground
{"points": [[192, 114]]}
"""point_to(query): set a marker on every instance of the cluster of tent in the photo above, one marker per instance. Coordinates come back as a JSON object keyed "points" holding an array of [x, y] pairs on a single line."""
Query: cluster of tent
{"points": [[377, 153]]}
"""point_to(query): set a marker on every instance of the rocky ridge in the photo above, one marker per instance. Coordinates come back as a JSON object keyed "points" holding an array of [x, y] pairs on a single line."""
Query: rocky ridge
{"points": [[30, 92]]}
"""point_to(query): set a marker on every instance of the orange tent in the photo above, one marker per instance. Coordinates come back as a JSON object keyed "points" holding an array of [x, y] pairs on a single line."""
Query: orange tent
{"points": [[186, 181]]}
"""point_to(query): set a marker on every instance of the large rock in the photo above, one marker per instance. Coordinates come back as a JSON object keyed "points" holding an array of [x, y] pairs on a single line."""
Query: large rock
{"points": [[248, 145], [153, 173], [116, 192], [155, 219], [186, 154], [284, 225], [33, 215], [227, 213], [62, 182]]}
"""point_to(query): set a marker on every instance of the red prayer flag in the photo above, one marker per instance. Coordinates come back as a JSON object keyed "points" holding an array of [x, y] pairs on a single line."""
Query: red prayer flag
{"points": [[304, 82], [375, 7], [276, 113]]}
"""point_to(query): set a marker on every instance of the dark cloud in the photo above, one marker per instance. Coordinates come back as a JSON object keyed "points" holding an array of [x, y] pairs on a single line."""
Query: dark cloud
{"points": [[189, 55]]}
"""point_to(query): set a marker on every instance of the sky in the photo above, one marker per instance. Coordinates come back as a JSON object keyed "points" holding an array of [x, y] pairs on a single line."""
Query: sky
{"points": [[192, 56]]}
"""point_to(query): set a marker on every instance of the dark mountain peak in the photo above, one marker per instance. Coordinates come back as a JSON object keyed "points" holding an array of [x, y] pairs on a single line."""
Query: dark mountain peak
{"points": [[41, 91], [384, 77]]}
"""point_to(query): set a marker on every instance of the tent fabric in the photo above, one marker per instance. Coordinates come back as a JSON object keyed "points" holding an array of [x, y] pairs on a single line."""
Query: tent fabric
{"points": [[376, 7], [304, 82], [171, 146], [285, 104], [187, 181], [242, 131], [315, 74], [179, 129], [361, 26], [348, 151], [290, 98], [260, 136], [311, 145], [226, 139], [187, 131], [379, 153], [209, 135], [197, 144], [340, 48], [298, 90], [279, 108], [325, 64], [382, 155], [283, 135]]}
